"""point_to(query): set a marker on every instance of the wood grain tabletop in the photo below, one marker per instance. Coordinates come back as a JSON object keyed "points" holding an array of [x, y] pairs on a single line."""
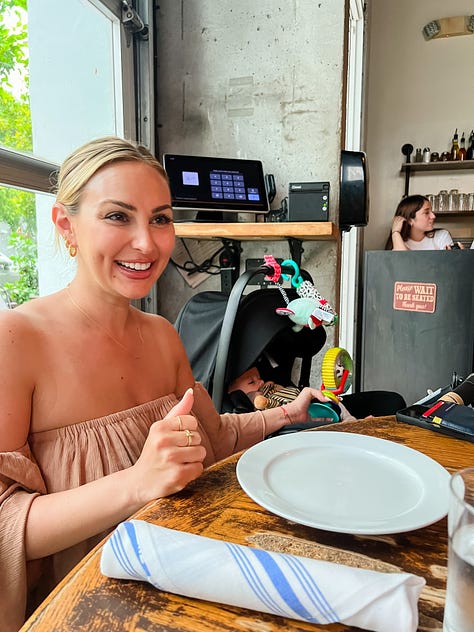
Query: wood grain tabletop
{"points": [[215, 506]]}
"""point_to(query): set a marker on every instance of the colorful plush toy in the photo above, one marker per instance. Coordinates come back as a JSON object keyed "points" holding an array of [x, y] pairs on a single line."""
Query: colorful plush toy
{"points": [[308, 312], [311, 309]]}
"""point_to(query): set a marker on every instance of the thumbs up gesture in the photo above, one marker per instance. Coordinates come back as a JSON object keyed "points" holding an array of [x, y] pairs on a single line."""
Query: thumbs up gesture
{"points": [[172, 455]]}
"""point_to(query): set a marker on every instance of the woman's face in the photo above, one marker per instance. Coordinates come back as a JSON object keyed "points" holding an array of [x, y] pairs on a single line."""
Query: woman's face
{"points": [[424, 219], [124, 230]]}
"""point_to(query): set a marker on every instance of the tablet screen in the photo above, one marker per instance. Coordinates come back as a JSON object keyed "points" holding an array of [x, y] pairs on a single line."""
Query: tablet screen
{"points": [[202, 183]]}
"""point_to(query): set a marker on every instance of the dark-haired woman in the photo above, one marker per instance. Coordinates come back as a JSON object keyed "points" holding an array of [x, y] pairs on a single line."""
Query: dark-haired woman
{"points": [[413, 227]]}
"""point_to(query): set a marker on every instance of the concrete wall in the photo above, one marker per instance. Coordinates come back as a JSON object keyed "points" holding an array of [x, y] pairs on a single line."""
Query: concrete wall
{"points": [[255, 80], [418, 92]]}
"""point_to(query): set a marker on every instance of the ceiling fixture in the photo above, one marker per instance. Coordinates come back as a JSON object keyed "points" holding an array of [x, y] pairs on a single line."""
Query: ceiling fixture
{"points": [[449, 27]]}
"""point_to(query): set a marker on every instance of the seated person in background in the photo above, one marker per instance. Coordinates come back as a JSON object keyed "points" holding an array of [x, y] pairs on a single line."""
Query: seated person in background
{"points": [[265, 395], [412, 227]]}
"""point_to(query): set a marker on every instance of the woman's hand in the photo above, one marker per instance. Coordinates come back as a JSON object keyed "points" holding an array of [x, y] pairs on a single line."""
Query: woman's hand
{"points": [[397, 224], [172, 455], [297, 410]]}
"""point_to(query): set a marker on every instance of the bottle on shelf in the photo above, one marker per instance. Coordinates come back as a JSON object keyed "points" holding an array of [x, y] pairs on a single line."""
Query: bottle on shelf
{"points": [[454, 154], [470, 149], [462, 148]]}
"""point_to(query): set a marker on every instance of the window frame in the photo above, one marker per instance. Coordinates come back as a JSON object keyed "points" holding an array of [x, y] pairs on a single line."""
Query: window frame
{"points": [[30, 172]]}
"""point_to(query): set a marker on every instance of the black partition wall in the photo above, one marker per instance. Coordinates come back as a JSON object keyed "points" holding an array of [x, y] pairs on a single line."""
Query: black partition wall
{"points": [[418, 320]]}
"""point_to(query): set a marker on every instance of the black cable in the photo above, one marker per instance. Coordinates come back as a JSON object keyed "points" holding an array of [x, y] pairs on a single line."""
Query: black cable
{"points": [[280, 214], [207, 266]]}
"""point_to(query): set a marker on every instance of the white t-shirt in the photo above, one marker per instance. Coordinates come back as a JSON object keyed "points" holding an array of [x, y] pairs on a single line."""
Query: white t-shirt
{"points": [[441, 238]]}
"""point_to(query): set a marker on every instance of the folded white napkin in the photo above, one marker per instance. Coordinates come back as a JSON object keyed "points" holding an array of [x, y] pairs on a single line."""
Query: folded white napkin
{"points": [[277, 583]]}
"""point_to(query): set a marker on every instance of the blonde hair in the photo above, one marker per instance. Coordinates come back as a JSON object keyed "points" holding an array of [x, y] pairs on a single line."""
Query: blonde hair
{"points": [[79, 167]]}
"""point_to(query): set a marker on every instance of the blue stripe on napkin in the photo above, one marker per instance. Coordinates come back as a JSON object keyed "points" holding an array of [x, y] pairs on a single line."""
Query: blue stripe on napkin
{"points": [[121, 553], [281, 584], [311, 589], [253, 580]]}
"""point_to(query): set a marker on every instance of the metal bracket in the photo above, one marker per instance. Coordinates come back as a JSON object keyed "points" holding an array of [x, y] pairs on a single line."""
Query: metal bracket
{"points": [[296, 250], [229, 261], [133, 24]]}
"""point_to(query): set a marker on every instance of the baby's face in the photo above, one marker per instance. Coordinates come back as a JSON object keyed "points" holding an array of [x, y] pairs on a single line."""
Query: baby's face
{"points": [[248, 382]]}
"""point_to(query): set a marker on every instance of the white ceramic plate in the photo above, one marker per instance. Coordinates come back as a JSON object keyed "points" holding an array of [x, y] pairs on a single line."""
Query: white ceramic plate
{"points": [[345, 482]]}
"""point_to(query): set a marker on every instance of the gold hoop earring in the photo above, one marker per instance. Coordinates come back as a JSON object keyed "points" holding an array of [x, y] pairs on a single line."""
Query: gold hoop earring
{"points": [[72, 250]]}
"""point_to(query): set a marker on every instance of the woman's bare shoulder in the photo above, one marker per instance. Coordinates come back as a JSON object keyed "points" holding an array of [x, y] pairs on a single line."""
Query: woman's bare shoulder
{"points": [[15, 324], [28, 319], [20, 356], [158, 324]]}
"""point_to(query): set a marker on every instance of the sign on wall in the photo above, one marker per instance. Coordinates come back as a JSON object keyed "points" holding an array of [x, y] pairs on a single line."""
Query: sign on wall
{"points": [[414, 297]]}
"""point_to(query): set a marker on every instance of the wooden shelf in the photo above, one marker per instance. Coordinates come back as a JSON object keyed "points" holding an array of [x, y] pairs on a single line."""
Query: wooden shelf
{"points": [[442, 165], [268, 231]]}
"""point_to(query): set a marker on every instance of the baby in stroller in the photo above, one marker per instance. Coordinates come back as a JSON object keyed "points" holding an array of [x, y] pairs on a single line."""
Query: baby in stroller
{"points": [[268, 394]]}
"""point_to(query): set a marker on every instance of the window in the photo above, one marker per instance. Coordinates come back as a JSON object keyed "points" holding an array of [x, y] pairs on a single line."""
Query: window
{"points": [[69, 71]]}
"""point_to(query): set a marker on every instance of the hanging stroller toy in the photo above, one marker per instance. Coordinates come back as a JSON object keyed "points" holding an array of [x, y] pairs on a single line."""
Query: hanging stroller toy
{"points": [[311, 309], [336, 370]]}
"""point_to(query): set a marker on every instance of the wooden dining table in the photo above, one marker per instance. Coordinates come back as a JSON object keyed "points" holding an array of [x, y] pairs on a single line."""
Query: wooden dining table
{"points": [[216, 506]]}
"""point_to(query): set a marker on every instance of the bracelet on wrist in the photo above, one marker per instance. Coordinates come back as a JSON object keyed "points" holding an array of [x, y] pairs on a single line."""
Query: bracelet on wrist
{"points": [[285, 414]]}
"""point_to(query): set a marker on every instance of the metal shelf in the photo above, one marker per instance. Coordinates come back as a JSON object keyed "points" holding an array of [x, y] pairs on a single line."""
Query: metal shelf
{"points": [[430, 167], [441, 165]]}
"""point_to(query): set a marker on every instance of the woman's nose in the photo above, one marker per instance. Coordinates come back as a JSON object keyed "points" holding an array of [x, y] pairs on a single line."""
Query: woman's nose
{"points": [[143, 238]]}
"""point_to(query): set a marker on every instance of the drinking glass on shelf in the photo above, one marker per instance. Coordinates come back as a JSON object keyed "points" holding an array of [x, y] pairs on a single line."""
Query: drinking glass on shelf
{"points": [[443, 201], [463, 202], [470, 203], [433, 201], [459, 608], [453, 200]]}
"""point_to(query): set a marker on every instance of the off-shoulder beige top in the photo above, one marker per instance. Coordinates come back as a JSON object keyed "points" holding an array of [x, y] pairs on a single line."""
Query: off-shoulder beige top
{"points": [[70, 456]]}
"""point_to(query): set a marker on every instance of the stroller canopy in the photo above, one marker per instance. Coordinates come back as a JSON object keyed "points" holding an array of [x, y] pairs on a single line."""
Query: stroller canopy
{"points": [[259, 337]]}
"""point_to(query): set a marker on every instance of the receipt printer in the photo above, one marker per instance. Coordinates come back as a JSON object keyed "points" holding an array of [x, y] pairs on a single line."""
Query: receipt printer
{"points": [[308, 202]]}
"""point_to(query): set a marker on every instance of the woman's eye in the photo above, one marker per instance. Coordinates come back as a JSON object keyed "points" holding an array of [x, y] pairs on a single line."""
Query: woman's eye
{"points": [[162, 219], [117, 216]]}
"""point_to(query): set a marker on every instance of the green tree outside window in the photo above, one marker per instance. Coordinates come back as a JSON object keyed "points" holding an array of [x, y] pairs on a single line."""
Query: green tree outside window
{"points": [[17, 208]]}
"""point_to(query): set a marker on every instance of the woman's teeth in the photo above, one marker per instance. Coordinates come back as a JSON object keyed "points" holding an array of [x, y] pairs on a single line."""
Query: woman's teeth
{"points": [[134, 265]]}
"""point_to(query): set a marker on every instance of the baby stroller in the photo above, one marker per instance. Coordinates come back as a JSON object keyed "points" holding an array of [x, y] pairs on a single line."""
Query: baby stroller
{"points": [[226, 335]]}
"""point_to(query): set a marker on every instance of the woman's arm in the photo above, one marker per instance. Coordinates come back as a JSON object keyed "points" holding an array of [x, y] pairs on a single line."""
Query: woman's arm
{"points": [[59, 520], [166, 465]]}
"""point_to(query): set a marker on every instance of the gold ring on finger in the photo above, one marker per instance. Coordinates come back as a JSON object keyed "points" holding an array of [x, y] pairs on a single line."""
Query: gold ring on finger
{"points": [[180, 423], [189, 435]]}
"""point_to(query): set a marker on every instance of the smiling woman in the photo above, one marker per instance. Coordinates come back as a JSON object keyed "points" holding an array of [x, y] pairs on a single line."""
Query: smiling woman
{"points": [[106, 415], [113, 207]]}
